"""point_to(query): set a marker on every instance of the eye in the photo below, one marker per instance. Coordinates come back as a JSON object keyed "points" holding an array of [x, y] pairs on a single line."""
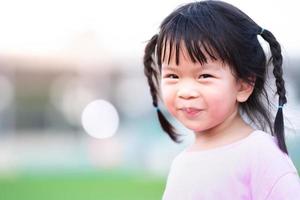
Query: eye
{"points": [[205, 76], [171, 76]]}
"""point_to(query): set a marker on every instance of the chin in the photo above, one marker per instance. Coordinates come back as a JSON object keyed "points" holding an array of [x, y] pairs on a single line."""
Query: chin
{"points": [[197, 129]]}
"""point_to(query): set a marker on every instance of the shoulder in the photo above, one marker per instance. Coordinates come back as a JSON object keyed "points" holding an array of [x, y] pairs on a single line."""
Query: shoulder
{"points": [[262, 138], [268, 164], [286, 187], [267, 152]]}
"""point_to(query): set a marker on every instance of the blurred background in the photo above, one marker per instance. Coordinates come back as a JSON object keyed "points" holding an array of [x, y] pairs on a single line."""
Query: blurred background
{"points": [[58, 56]]}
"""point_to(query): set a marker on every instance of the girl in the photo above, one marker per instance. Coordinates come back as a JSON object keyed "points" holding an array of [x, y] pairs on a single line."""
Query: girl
{"points": [[208, 67]]}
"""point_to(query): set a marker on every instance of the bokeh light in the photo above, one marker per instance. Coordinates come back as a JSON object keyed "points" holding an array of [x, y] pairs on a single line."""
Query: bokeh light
{"points": [[100, 119]]}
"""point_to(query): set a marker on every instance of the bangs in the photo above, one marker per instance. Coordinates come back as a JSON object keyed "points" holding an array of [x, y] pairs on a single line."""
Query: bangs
{"points": [[196, 51], [193, 33]]}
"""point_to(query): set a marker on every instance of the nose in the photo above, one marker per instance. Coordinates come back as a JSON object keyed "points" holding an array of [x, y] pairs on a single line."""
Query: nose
{"points": [[188, 90]]}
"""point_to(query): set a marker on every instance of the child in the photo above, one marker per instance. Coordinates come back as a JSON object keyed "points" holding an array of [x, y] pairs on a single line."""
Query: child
{"points": [[208, 67]]}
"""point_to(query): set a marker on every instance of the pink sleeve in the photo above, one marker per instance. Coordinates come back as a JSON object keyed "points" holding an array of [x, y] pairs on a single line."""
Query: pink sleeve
{"points": [[287, 187]]}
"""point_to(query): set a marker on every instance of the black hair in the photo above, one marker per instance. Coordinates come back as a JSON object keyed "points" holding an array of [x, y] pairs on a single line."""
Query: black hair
{"points": [[220, 31]]}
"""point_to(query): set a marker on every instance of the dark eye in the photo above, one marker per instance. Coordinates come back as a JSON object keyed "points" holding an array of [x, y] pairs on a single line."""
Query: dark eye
{"points": [[205, 76], [171, 76]]}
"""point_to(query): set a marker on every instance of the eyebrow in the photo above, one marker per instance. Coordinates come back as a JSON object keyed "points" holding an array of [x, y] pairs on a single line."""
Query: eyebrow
{"points": [[170, 68], [203, 67]]}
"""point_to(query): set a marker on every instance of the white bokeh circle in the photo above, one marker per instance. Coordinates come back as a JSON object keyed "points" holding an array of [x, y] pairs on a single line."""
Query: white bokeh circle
{"points": [[100, 119]]}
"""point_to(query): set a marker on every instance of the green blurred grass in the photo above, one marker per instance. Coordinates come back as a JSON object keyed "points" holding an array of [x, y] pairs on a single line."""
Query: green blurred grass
{"points": [[84, 186]]}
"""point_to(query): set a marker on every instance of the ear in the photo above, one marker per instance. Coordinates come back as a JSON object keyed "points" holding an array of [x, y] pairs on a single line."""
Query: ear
{"points": [[244, 90]]}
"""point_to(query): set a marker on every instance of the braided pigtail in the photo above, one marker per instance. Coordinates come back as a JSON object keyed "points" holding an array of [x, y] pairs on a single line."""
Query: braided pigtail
{"points": [[151, 73], [276, 59]]}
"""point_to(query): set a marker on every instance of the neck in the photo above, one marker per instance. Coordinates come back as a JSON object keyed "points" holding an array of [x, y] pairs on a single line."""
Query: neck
{"points": [[232, 129]]}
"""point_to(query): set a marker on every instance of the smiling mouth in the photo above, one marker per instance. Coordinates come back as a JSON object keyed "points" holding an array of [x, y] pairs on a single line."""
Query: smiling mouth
{"points": [[191, 112]]}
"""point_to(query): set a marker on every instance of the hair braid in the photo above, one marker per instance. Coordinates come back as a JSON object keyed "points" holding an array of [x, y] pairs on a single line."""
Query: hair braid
{"points": [[276, 60], [152, 77]]}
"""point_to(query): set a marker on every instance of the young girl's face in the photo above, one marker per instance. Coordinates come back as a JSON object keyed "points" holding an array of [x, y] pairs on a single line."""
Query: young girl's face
{"points": [[201, 97]]}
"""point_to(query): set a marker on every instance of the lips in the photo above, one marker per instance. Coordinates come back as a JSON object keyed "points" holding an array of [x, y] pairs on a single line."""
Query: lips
{"points": [[191, 111]]}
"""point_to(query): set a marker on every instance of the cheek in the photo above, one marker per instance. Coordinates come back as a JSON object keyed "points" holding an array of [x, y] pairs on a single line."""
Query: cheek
{"points": [[218, 107], [168, 98], [222, 103]]}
